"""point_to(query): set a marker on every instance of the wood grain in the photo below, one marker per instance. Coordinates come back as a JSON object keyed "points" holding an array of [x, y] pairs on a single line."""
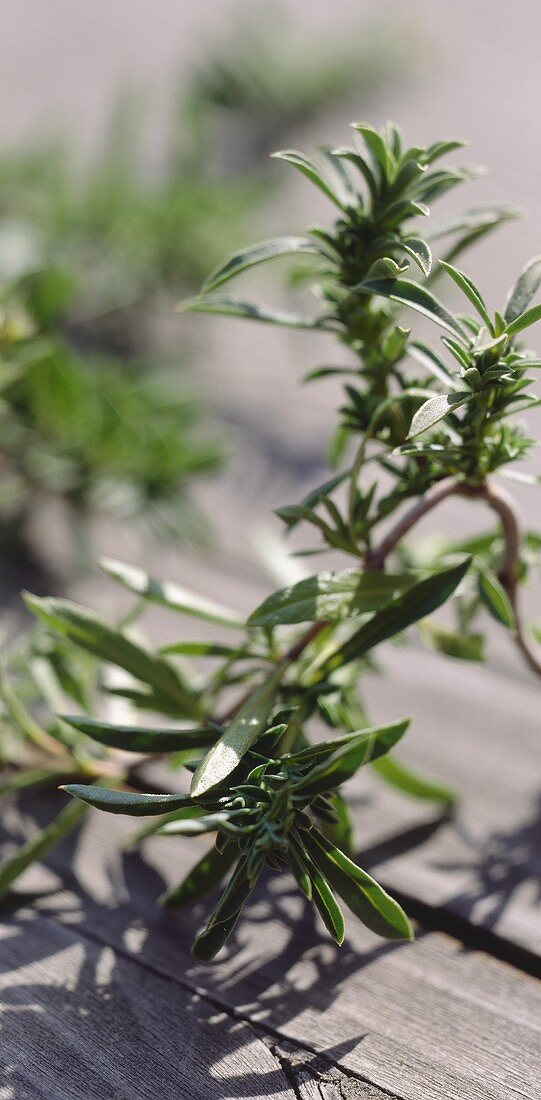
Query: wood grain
{"points": [[422, 1020], [81, 1022]]}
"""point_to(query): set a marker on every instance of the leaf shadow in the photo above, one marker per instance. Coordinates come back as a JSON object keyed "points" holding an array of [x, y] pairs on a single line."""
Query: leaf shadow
{"points": [[106, 904]]}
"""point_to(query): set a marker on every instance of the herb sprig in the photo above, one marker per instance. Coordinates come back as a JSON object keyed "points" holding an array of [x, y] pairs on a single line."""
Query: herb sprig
{"points": [[273, 796]]}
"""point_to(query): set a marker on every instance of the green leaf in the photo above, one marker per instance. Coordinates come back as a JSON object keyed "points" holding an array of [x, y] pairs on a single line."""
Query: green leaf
{"points": [[302, 878], [341, 831], [470, 290], [462, 646], [431, 362], [225, 306], [127, 802], [206, 649], [226, 913], [436, 409], [150, 828], [170, 595], [194, 826], [329, 596], [84, 629], [440, 149], [411, 782], [38, 846], [141, 738], [495, 598], [419, 252], [247, 725], [204, 877], [374, 141], [376, 739], [361, 893], [259, 254], [472, 224], [363, 167], [530, 317], [524, 289], [322, 895], [311, 171], [418, 298], [352, 754], [419, 600]]}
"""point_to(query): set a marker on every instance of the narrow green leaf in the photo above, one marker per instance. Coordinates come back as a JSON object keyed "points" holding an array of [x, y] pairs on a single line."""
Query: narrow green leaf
{"points": [[84, 629], [411, 782], [170, 595], [38, 846], [376, 739], [361, 893], [460, 645], [524, 320], [143, 738], [205, 649], [302, 878], [259, 254], [432, 363], [204, 877], [436, 409], [341, 831], [225, 306], [440, 149], [311, 171], [127, 802], [471, 292], [322, 895], [348, 757], [226, 913], [495, 598], [329, 596], [248, 723], [194, 826], [363, 167], [522, 292], [419, 600], [418, 298], [419, 252], [377, 145], [473, 224], [153, 826]]}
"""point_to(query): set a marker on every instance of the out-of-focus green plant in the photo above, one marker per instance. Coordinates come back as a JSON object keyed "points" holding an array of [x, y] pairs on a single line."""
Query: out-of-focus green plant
{"points": [[92, 433], [89, 411], [270, 794], [104, 240]]}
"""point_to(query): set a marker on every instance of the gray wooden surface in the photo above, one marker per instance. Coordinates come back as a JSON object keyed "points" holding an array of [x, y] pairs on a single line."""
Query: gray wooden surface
{"points": [[101, 982]]}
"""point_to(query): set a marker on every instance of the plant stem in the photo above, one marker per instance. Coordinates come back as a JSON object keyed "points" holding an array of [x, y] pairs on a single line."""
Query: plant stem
{"points": [[376, 558], [505, 508], [501, 502], [23, 721]]}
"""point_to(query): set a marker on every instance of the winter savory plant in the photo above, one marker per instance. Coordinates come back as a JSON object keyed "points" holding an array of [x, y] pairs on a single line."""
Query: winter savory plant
{"points": [[419, 424]]}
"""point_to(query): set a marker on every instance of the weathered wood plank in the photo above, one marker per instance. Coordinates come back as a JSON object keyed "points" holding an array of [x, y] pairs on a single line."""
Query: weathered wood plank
{"points": [[421, 1020], [482, 734], [81, 1022]]}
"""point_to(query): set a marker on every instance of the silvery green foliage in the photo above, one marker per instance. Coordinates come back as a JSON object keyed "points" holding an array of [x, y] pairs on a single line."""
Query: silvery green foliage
{"points": [[418, 424]]}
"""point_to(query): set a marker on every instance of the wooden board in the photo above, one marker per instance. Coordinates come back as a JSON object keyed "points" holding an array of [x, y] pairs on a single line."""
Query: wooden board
{"points": [[81, 1021], [421, 1020]]}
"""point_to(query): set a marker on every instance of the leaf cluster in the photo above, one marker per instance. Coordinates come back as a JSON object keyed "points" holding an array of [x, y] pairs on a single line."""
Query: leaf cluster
{"points": [[269, 791]]}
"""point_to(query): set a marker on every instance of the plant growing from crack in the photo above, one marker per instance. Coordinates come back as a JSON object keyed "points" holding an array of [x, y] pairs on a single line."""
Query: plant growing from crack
{"points": [[270, 794]]}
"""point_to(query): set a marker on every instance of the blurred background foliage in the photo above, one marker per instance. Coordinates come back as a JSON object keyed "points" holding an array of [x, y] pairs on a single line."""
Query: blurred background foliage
{"points": [[94, 411]]}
